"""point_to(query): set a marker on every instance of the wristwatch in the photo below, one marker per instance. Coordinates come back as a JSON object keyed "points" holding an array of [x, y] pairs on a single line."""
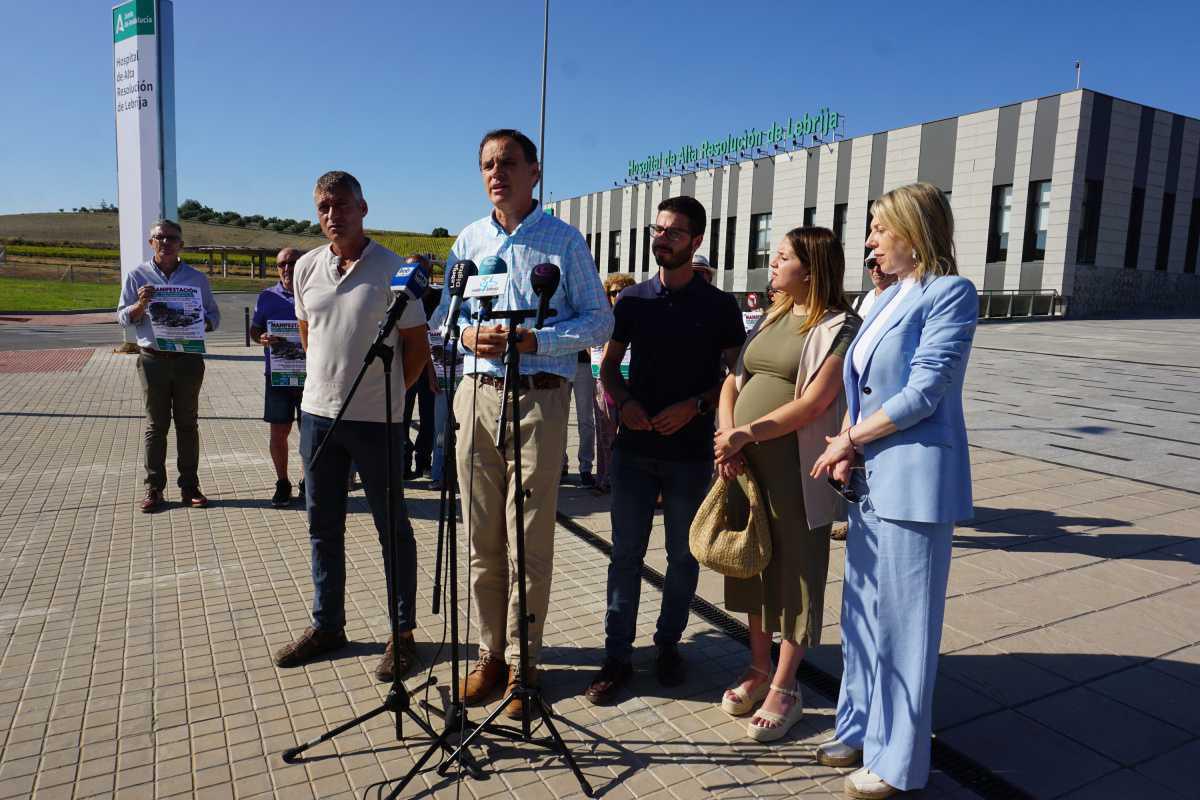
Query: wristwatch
{"points": [[703, 406]]}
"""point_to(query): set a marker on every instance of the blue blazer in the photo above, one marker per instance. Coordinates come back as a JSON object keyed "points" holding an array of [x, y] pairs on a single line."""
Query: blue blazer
{"points": [[914, 372]]}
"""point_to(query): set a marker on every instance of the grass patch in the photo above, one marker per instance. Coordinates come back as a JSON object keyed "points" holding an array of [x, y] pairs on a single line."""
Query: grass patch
{"points": [[24, 294]]}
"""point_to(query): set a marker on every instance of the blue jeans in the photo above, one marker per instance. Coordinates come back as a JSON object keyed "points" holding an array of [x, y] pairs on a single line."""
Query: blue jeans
{"points": [[636, 483], [363, 444]]}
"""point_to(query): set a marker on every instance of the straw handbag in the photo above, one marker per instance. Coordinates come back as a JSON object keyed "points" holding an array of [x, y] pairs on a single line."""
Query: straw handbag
{"points": [[738, 554]]}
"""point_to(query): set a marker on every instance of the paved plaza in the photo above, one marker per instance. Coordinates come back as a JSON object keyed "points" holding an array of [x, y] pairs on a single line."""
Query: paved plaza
{"points": [[135, 650]]}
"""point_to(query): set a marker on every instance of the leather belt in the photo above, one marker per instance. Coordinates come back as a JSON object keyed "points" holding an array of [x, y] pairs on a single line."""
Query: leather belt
{"points": [[538, 380]]}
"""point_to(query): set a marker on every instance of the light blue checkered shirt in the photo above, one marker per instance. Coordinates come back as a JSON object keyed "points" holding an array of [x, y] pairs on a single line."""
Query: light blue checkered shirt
{"points": [[584, 316]]}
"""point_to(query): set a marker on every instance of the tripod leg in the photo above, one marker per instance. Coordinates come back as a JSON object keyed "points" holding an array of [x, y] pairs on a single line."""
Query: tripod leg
{"points": [[561, 747], [290, 755]]}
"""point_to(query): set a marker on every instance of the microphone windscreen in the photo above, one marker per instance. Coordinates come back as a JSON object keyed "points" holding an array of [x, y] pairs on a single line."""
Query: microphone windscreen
{"points": [[459, 273], [544, 279], [411, 279], [493, 265]]}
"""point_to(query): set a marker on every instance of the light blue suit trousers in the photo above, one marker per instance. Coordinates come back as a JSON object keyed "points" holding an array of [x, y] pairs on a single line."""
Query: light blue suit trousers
{"points": [[893, 602]]}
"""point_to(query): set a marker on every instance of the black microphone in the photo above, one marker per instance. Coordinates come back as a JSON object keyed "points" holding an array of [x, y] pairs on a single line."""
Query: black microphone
{"points": [[544, 280], [456, 285]]}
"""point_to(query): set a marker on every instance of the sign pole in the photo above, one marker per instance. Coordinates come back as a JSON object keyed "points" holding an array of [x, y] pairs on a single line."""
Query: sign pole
{"points": [[542, 129], [144, 99]]}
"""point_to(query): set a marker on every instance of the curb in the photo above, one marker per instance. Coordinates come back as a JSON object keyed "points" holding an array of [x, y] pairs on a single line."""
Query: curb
{"points": [[58, 313]]}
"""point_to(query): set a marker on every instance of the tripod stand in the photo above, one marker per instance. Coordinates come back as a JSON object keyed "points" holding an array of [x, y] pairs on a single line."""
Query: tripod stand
{"points": [[455, 714], [397, 700], [530, 695]]}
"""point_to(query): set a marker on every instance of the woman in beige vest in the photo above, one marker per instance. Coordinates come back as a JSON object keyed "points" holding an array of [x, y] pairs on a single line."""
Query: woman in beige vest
{"points": [[776, 410]]}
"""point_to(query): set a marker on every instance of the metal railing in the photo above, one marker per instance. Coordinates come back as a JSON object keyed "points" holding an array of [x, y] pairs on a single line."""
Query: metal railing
{"points": [[1016, 304], [1009, 303]]}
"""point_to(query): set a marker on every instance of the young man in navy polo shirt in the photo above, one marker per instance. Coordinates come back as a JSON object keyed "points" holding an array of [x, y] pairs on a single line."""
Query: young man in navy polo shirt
{"points": [[282, 404], [683, 334]]}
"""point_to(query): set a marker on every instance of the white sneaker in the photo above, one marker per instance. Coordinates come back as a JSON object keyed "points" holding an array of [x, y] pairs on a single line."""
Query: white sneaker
{"points": [[836, 754], [863, 784]]}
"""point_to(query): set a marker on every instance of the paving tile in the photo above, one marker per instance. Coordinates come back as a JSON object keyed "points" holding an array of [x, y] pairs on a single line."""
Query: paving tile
{"points": [[166, 654], [1175, 769], [1118, 731], [1028, 754], [1122, 785]]}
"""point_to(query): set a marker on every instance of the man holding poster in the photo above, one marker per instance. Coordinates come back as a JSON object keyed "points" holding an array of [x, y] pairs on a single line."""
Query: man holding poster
{"points": [[170, 365], [275, 327]]}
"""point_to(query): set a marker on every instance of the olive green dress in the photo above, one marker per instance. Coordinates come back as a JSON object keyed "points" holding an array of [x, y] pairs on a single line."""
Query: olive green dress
{"points": [[789, 594]]}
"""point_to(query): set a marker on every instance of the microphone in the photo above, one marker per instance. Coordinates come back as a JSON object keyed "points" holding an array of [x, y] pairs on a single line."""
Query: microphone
{"points": [[408, 283], [456, 285], [488, 291], [544, 280]]}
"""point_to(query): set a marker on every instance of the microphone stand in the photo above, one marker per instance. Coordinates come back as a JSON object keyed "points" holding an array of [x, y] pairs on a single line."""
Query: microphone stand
{"points": [[530, 695], [397, 701], [455, 714]]}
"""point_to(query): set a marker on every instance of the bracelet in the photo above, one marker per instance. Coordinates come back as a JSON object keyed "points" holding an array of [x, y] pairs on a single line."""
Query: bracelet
{"points": [[850, 439]]}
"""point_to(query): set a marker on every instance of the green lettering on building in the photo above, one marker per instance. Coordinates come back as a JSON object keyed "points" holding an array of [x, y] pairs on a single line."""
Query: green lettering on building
{"points": [[822, 124], [134, 18]]}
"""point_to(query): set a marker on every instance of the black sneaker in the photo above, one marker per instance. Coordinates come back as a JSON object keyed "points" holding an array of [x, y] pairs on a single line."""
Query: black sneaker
{"points": [[301, 492], [283, 494], [672, 670], [586, 480]]}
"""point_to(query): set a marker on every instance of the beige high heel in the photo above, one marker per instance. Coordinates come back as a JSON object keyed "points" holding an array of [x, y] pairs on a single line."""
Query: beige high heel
{"points": [[783, 722], [745, 702]]}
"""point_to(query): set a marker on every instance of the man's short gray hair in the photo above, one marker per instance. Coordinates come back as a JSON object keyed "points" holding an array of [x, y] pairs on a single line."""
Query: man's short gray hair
{"points": [[167, 223], [338, 181]]}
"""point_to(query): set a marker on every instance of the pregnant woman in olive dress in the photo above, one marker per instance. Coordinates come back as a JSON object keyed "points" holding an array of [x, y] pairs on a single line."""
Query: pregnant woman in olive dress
{"points": [[775, 413]]}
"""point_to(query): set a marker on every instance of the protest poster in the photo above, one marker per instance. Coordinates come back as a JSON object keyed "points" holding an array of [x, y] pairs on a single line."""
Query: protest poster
{"points": [[177, 319], [598, 356], [438, 352], [287, 355]]}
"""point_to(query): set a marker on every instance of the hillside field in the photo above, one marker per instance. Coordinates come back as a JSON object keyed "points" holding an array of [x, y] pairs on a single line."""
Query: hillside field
{"points": [[95, 237]]}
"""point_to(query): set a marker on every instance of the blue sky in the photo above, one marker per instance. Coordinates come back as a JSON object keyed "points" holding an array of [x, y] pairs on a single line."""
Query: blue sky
{"points": [[271, 93]]}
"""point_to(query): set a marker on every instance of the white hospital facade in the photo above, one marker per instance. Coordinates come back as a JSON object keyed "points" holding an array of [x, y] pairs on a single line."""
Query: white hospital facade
{"points": [[1081, 194]]}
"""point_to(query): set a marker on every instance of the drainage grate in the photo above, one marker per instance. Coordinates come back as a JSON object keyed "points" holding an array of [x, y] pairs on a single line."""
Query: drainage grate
{"points": [[966, 771]]}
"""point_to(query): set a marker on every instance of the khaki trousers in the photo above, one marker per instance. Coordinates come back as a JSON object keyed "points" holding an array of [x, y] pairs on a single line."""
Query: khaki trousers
{"points": [[490, 509]]}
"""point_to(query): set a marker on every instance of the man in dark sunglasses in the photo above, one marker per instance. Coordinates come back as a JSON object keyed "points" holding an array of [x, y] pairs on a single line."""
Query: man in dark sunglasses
{"points": [[170, 380]]}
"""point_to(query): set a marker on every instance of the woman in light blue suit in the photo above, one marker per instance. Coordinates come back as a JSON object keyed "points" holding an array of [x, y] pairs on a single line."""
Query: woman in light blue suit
{"points": [[902, 455]]}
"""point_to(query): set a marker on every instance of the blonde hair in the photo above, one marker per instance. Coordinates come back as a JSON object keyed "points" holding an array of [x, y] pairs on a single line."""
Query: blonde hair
{"points": [[618, 280], [821, 252], [920, 214]]}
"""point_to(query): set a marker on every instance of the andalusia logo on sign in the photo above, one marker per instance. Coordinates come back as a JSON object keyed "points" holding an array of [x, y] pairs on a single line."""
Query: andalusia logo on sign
{"points": [[134, 18]]}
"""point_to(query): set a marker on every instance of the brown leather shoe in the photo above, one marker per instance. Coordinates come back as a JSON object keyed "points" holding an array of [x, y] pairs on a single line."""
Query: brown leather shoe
{"points": [[516, 706], [604, 687], [193, 497], [153, 501], [482, 681], [408, 659], [311, 644]]}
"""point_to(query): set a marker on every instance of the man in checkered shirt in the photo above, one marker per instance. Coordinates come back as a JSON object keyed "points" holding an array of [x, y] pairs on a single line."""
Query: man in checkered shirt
{"points": [[523, 235]]}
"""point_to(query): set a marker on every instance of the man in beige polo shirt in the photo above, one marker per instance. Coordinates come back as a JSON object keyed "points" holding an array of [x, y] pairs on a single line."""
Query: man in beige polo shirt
{"points": [[342, 292]]}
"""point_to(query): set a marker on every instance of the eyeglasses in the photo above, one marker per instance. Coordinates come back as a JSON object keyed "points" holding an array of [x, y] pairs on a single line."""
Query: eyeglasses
{"points": [[614, 292], [672, 234], [286, 264], [166, 239]]}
